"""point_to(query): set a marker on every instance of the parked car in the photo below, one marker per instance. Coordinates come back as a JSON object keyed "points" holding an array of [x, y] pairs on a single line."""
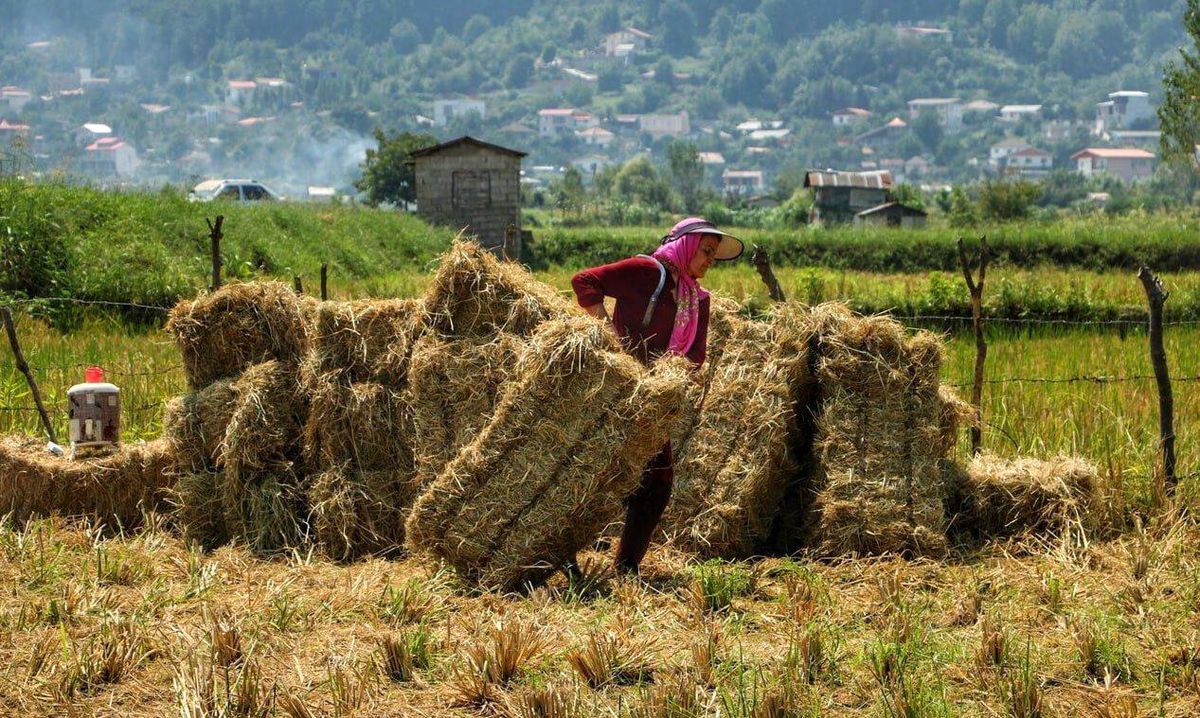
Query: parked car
{"points": [[234, 190]]}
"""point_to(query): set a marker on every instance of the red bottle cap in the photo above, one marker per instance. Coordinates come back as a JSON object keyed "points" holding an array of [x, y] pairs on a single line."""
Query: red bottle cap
{"points": [[93, 375]]}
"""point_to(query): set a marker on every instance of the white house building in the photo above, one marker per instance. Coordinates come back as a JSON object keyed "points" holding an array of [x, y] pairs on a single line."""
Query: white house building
{"points": [[1016, 113], [949, 110], [15, 98], [743, 181], [447, 109], [849, 116], [1002, 149], [240, 92], [676, 125], [1029, 162], [626, 42], [110, 157], [1124, 163], [557, 121], [1123, 109], [89, 132], [597, 136]]}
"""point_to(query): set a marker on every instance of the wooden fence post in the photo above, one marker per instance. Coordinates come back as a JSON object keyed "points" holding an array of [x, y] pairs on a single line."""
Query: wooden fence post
{"points": [[297, 285], [1156, 295], [762, 262], [324, 281], [23, 367], [215, 236], [976, 289]]}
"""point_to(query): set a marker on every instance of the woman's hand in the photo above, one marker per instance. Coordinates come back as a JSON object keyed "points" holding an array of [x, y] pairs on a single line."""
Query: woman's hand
{"points": [[598, 311]]}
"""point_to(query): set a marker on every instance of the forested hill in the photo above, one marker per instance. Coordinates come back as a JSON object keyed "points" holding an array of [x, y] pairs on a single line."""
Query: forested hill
{"points": [[382, 62]]}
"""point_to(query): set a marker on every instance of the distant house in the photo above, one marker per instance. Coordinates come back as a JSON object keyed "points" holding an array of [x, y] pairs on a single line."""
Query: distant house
{"points": [[626, 42], [89, 132], [595, 136], [889, 132], [891, 214], [949, 110], [753, 125], [558, 121], [1128, 164], [1028, 162], [983, 107], [923, 32], [110, 157], [1056, 130], [742, 181], [447, 109], [676, 125], [1122, 110], [848, 116], [840, 196], [318, 193], [1146, 139], [474, 184], [1016, 113], [240, 92], [769, 135], [711, 158], [12, 129], [1004, 148], [15, 98]]}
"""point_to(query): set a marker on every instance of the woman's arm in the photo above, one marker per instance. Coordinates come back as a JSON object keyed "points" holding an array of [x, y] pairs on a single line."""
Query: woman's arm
{"points": [[700, 346], [620, 280]]}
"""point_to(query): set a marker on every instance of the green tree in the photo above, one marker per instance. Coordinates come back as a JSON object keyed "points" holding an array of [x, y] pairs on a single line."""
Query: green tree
{"points": [[1179, 114], [961, 212], [1003, 200], [519, 70], [387, 177], [928, 130], [638, 182], [664, 71], [678, 28], [568, 194], [687, 173], [907, 195]]}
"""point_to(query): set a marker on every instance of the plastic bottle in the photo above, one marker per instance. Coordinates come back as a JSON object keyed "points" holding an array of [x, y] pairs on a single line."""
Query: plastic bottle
{"points": [[94, 411]]}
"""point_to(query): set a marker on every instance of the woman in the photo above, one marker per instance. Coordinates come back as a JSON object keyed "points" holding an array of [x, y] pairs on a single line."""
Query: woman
{"points": [[660, 308]]}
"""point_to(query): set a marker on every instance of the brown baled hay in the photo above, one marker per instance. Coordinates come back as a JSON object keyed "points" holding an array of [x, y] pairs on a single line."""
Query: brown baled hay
{"points": [[360, 513], [455, 385], [195, 425], [115, 489], [365, 425], [734, 469], [475, 294], [199, 509], [996, 497], [223, 333], [723, 317], [366, 340], [567, 443]]}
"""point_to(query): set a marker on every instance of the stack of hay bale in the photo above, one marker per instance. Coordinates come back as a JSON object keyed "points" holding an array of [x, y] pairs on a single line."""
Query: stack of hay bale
{"points": [[237, 435], [996, 498], [115, 489], [358, 438], [568, 442]]}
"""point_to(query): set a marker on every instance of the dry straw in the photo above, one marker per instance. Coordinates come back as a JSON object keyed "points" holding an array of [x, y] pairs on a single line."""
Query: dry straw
{"points": [[475, 294], [365, 425], [222, 334], [567, 443], [195, 425], [366, 340], [360, 513], [455, 385], [115, 489], [998, 497]]}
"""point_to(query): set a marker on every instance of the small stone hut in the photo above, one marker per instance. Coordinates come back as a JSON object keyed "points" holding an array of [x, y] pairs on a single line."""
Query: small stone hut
{"points": [[474, 184]]}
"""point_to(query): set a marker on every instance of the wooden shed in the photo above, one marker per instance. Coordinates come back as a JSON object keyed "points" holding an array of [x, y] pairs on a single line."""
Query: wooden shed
{"points": [[891, 214], [473, 184], [840, 196]]}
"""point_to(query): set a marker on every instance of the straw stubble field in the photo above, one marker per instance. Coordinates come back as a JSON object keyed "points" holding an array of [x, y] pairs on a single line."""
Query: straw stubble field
{"points": [[142, 625]]}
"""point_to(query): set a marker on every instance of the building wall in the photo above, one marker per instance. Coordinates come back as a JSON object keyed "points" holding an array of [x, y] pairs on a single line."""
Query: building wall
{"points": [[471, 187]]}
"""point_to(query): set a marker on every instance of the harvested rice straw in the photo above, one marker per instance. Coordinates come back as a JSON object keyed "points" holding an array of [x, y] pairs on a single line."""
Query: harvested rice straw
{"points": [[115, 489], [221, 334], [356, 514], [195, 425], [722, 318], [880, 441], [199, 509], [1004, 497], [474, 294], [539, 428], [264, 503], [454, 386], [366, 340], [364, 424]]}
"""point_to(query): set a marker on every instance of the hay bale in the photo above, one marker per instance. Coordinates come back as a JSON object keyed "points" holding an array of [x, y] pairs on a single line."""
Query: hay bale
{"points": [[356, 514], [474, 294], [567, 443], [881, 444], [723, 317], [114, 489], [195, 425], [221, 334], [734, 470], [455, 385], [365, 425], [264, 468], [366, 340], [996, 497], [199, 509]]}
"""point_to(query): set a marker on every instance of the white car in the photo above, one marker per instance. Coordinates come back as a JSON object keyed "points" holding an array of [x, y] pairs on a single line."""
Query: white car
{"points": [[233, 190]]}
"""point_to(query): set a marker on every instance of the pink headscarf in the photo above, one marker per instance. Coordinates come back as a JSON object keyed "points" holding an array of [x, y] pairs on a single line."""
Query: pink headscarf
{"points": [[677, 255]]}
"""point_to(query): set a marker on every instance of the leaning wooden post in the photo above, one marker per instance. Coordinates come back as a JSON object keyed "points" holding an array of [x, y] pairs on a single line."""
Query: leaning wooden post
{"points": [[215, 236], [297, 285], [762, 262], [324, 281], [1157, 296], [976, 289], [23, 367]]}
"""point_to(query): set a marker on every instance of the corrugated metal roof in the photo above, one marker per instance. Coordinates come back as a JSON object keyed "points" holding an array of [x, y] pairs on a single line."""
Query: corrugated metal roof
{"points": [[1114, 153], [879, 179]]}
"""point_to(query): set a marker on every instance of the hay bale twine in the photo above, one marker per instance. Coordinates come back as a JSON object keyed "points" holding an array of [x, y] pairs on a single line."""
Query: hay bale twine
{"points": [[881, 440], [567, 443], [474, 294], [366, 340], [221, 334], [195, 423], [115, 488], [365, 425], [996, 497], [360, 513], [454, 386]]}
